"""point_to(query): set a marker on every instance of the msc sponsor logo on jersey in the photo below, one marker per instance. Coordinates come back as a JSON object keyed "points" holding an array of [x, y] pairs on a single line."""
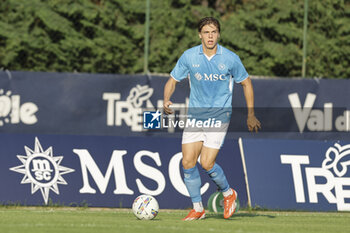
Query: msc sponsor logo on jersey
{"points": [[198, 76], [210, 77]]}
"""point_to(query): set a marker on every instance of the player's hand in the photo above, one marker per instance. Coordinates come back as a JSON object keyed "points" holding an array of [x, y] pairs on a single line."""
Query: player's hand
{"points": [[253, 124], [166, 106]]}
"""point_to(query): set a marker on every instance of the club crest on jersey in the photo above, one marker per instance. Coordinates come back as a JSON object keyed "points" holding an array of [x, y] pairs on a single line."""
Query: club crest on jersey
{"points": [[221, 66]]}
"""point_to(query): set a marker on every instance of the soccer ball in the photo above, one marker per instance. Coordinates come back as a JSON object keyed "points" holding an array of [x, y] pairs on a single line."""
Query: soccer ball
{"points": [[145, 207]]}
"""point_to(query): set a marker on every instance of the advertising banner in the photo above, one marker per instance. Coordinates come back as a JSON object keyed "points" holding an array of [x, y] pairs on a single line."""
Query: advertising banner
{"points": [[108, 104], [81, 104], [105, 171], [298, 175]]}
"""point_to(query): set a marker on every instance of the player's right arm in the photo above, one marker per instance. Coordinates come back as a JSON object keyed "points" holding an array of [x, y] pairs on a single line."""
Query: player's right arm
{"points": [[169, 89], [179, 72]]}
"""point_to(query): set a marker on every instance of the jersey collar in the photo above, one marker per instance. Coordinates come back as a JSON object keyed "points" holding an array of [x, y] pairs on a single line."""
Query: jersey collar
{"points": [[218, 50]]}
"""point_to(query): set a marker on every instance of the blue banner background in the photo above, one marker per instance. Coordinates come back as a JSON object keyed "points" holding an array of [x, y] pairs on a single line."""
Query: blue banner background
{"points": [[271, 182], [101, 149], [73, 104], [70, 110]]}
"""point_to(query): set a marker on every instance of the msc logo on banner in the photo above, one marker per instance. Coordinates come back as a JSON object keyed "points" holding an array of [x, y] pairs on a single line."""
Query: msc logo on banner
{"points": [[42, 170], [334, 173], [151, 120]]}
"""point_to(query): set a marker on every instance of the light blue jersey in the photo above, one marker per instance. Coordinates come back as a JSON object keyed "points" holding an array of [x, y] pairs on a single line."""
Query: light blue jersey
{"points": [[211, 80]]}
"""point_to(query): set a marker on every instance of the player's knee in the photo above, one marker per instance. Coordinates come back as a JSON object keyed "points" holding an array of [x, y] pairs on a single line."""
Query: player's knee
{"points": [[187, 164], [207, 165]]}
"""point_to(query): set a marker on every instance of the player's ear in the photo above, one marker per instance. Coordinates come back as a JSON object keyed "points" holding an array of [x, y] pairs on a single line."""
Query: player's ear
{"points": [[200, 36]]}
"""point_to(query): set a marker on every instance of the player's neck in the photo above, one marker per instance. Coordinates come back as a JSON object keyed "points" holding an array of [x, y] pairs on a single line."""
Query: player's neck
{"points": [[210, 51]]}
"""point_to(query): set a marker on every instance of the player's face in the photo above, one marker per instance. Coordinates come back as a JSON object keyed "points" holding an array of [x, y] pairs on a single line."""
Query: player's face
{"points": [[209, 36]]}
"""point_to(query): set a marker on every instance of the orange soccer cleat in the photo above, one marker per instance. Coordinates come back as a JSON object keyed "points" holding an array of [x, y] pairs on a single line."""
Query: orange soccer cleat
{"points": [[193, 215], [230, 204]]}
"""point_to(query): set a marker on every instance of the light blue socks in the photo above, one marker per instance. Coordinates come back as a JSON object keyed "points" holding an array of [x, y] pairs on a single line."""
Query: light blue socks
{"points": [[217, 175], [193, 183]]}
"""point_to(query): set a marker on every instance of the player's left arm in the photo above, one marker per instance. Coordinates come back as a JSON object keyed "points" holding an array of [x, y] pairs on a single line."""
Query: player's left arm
{"points": [[252, 122]]}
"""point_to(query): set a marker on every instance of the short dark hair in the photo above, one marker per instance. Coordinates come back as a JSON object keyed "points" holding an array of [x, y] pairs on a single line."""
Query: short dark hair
{"points": [[206, 21]]}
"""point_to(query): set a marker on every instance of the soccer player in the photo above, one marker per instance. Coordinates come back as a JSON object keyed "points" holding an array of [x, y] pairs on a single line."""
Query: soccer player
{"points": [[211, 69]]}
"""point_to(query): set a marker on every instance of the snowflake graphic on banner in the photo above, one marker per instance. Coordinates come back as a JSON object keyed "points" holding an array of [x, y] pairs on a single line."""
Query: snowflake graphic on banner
{"points": [[42, 170]]}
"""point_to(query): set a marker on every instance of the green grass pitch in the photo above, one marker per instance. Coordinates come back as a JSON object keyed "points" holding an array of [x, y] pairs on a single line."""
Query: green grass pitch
{"points": [[100, 220]]}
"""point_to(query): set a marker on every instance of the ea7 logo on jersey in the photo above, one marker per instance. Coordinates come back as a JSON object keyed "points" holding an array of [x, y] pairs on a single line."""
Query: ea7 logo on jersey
{"points": [[42, 170]]}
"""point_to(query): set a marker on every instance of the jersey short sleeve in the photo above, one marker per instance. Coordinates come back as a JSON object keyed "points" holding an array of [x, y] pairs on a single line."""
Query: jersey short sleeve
{"points": [[181, 69], [238, 72]]}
